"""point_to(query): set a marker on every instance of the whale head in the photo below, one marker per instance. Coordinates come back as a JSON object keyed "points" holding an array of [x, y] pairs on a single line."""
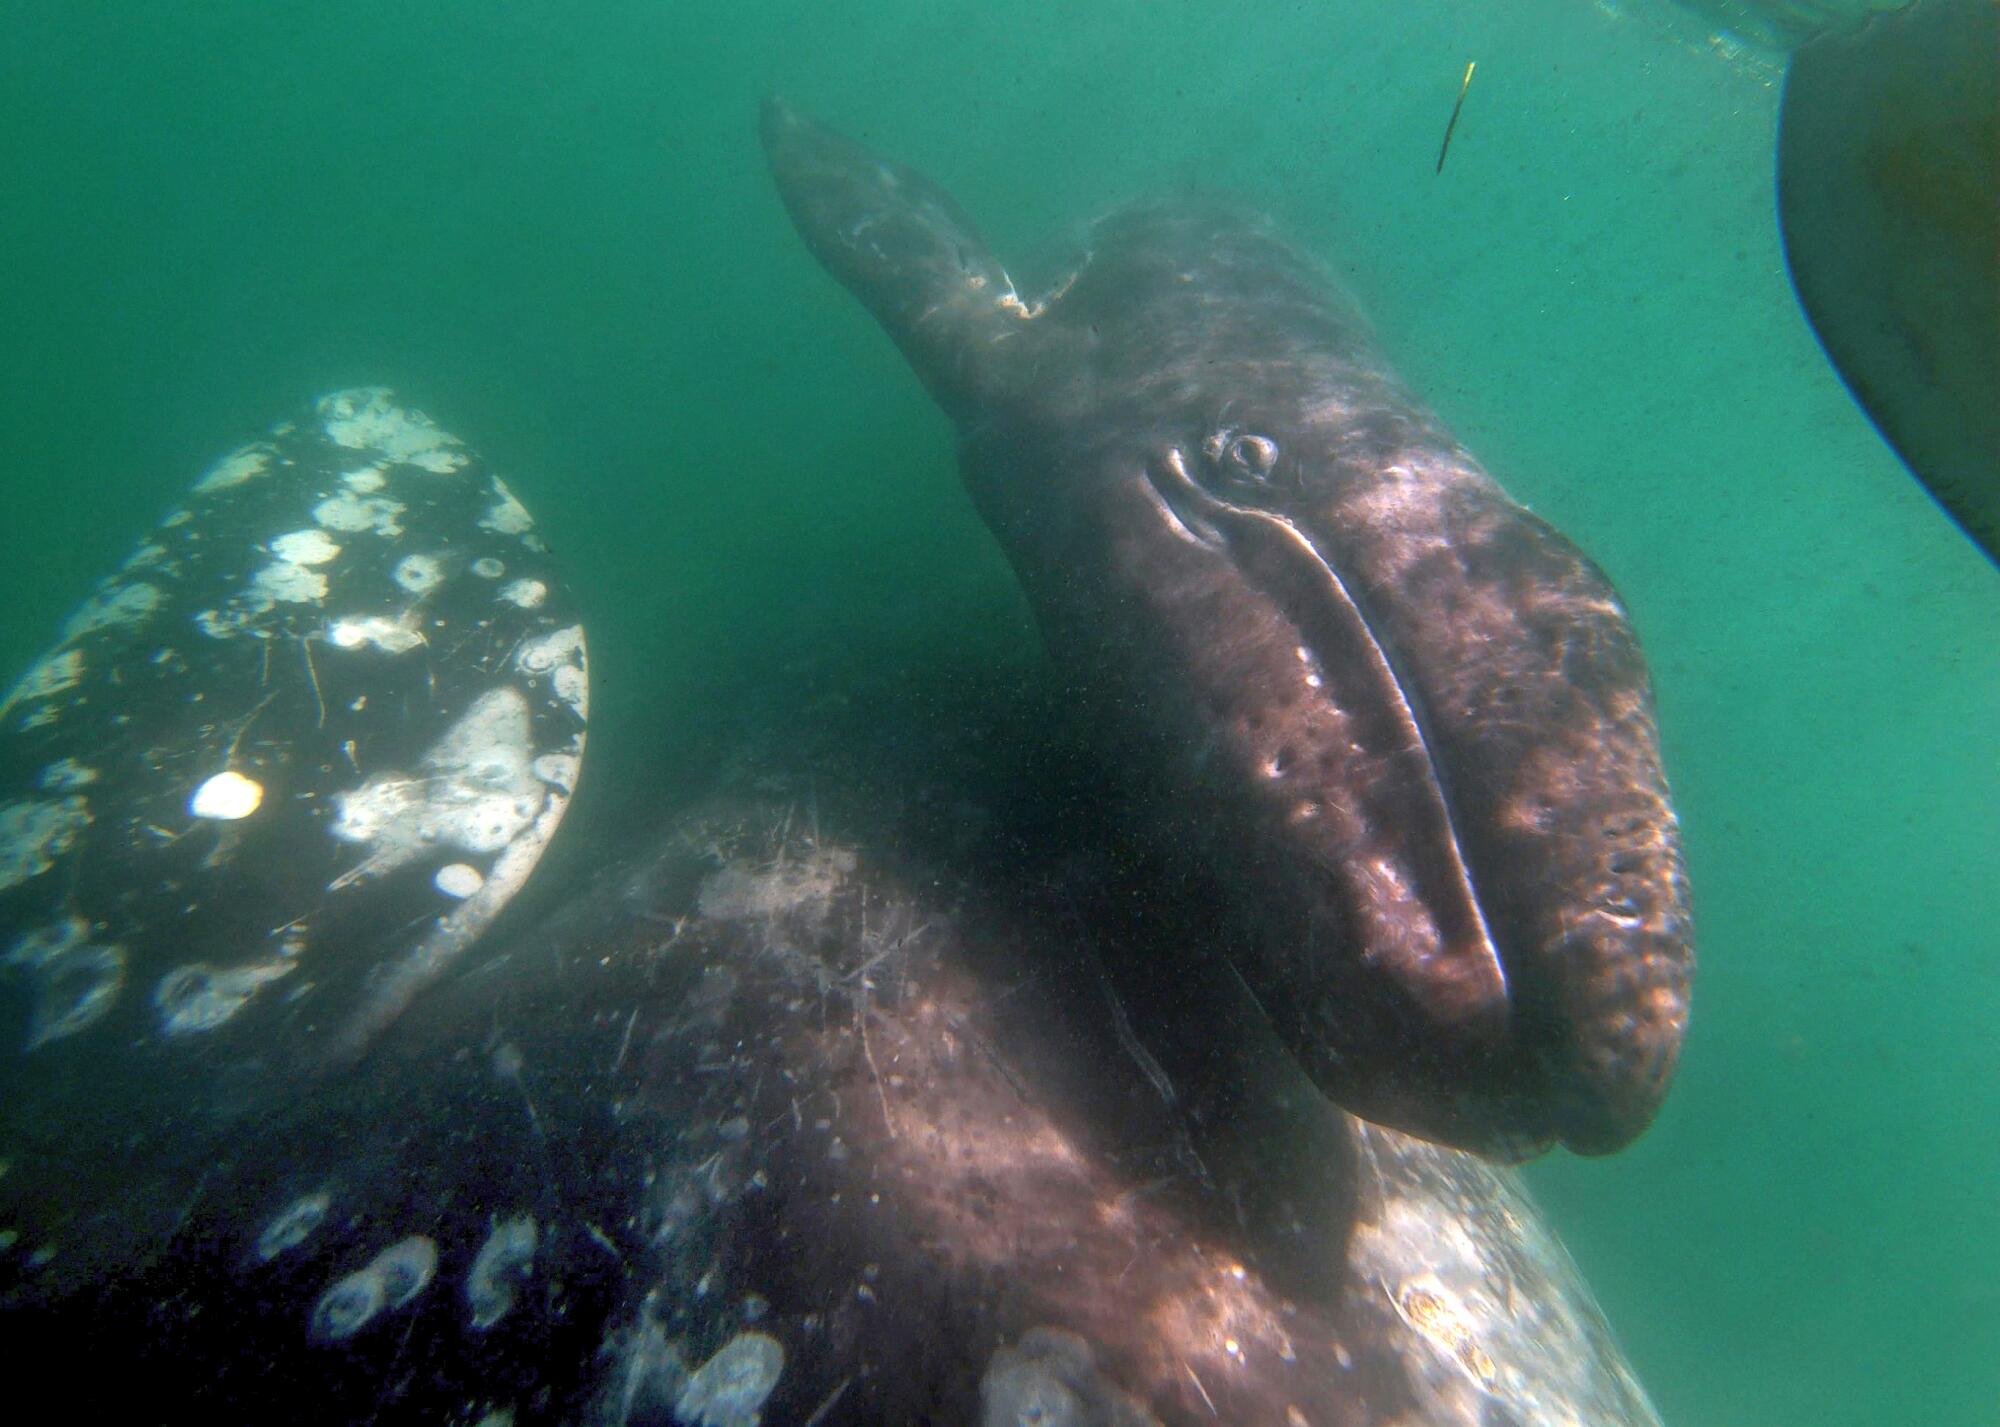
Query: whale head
{"points": [[1402, 722]]}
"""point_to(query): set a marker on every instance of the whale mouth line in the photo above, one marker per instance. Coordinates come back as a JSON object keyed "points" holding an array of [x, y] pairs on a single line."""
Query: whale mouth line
{"points": [[1333, 606]]}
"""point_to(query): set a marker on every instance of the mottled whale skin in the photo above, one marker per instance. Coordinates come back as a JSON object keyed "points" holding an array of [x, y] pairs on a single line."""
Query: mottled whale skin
{"points": [[1406, 720], [278, 772], [815, 1105]]}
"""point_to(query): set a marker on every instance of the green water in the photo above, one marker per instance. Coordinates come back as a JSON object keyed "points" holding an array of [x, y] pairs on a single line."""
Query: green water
{"points": [[549, 226]]}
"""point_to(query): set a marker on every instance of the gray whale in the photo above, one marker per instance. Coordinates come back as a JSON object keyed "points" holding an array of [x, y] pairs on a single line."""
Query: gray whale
{"points": [[837, 1091], [1406, 720]]}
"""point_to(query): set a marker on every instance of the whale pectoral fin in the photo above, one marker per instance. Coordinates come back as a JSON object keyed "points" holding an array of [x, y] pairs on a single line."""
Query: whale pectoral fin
{"points": [[1888, 151], [901, 245]]}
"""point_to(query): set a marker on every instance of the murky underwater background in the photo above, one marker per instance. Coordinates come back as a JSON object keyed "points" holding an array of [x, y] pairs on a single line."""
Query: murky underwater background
{"points": [[550, 227]]}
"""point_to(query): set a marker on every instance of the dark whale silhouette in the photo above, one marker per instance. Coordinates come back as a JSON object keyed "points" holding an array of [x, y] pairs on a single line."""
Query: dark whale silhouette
{"points": [[1889, 196], [1405, 721]]}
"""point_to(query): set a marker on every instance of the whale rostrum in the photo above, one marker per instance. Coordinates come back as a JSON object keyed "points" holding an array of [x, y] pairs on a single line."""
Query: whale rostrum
{"points": [[1404, 722]]}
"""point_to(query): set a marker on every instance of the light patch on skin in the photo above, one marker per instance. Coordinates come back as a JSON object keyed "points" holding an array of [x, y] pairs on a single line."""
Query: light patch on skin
{"points": [[488, 568], [305, 547], [392, 1279], [458, 879], [472, 791], [76, 982], [287, 583], [506, 516], [234, 469], [558, 770], [65, 775], [504, 1263], [397, 986], [34, 834], [1492, 1304], [240, 616], [121, 604], [729, 1389], [563, 658], [368, 419], [350, 513], [441, 460], [293, 1224], [419, 574], [226, 797], [364, 480], [528, 594], [200, 997], [800, 888], [572, 686], [47, 678], [1050, 1378], [391, 636]]}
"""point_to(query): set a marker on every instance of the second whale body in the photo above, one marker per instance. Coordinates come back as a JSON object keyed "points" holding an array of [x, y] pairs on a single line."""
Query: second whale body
{"points": [[1404, 721]]}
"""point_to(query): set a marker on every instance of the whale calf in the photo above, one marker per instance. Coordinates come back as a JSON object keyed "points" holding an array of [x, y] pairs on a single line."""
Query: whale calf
{"points": [[1404, 720]]}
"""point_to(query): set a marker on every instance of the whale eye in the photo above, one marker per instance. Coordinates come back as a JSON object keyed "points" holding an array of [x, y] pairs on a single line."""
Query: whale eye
{"points": [[1253, 456], [1240, 455]]}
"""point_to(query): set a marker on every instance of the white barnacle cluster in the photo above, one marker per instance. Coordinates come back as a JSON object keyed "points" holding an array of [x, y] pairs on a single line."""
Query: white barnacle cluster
{"points": [[283, 582], [304, 547], [75, 980], [352, 513], [503, 1264], [528, 594], [474, 792], [368, 419], [34, 833], [149, 555], [389, 1281], [291, 576], [562, 658], [234, 469], [391, 636], [48, 677], [65, 775], [506, 516], [558, 770], [113, 604], [199, 997], [45, 679]]}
